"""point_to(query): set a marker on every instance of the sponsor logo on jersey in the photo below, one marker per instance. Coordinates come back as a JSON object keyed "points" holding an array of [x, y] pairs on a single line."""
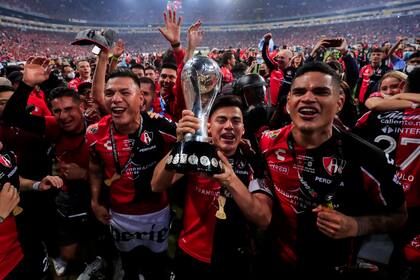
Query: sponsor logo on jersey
{"points": [[323, 180], [332, 165], [146, 137], [5, 161]]}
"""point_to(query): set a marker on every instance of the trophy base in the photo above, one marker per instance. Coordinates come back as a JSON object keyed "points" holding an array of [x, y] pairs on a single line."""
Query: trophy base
{"points": [[194, 156]]}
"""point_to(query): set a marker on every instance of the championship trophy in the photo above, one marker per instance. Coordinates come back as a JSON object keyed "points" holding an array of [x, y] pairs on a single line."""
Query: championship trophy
{"points": [[201, 82]]}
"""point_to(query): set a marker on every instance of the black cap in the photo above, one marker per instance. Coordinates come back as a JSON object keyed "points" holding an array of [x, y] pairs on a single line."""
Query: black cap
{"points": [[103, 39], [15, 76]]}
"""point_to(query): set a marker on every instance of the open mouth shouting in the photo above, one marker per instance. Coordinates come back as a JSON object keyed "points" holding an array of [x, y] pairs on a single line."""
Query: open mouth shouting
{"points": [[228, 137], [308, 112], [117, 111]]}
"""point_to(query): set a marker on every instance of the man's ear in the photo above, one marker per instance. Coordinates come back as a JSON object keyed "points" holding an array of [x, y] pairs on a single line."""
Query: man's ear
{"points": [[341, 101]]}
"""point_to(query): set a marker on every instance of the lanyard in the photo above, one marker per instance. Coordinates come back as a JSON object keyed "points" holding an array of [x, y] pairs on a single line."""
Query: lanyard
{"points": [[115, 152], [307, 189]]}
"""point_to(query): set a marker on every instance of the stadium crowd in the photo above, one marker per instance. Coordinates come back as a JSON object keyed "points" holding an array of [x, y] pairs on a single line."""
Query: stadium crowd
{"points": [[317, 138], [19, 44], [144, 13]]}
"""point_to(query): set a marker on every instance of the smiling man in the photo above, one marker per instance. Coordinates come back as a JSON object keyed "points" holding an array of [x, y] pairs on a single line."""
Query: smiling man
{"points": [[215, 241], [65, 130], [331, 186], [125, 147]]}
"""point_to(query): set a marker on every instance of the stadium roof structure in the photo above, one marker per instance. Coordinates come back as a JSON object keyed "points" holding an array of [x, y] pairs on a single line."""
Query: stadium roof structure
{"points": [[18, 19]]}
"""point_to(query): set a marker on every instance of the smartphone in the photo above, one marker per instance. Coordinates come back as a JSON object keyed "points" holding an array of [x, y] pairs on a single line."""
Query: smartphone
{"points": [[96, 50], [332, 43], [260, 60]]}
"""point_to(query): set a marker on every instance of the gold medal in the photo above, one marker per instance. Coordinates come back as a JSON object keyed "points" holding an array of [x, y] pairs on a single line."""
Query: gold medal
{"points": [[111, 180], [220, 214], [17, 210]]}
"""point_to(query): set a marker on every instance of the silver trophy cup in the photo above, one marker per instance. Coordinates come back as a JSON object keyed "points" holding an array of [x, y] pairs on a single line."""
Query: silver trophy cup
{"points": [[201, 83]]}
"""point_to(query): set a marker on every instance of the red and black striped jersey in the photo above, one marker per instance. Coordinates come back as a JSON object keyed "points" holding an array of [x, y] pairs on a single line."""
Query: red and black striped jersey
{"points": [[138, 156], [398, 134], [343, 173]]}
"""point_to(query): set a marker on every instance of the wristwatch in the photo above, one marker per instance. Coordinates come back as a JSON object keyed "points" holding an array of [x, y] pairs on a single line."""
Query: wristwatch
{"points": [[1, 219]]}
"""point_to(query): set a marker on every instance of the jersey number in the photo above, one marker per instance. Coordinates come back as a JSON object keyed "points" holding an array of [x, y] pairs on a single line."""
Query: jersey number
{"points": [[404, 141]]}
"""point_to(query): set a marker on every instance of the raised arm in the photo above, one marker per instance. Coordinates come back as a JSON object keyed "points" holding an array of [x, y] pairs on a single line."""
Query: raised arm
{"points": [[271, 64], [352, 71], [172, 29], [194, 37], [98, 85], [36, 71], [117, 51]]}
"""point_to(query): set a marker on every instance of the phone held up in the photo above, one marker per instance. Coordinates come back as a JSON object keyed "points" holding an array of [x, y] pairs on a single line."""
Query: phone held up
{"points": [[96, 50]]}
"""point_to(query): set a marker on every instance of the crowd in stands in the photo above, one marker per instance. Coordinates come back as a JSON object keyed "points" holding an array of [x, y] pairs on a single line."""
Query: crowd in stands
{"points": [[18, 44], [146, 11], [315, 152]]}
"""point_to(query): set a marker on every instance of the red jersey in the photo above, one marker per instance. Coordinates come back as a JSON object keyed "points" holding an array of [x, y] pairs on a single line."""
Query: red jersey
{"points": [[10, 250], [137, 156], [74, 84], [227, 75], [40, 106], [206, 238], [344, 173], [368, 78], [398, 134]]}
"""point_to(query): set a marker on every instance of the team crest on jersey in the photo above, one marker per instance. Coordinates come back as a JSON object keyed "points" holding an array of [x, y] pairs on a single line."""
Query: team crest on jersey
{"points": [[93, 129], [5, 161], [333, 165], [146, 137], [271, 134]]}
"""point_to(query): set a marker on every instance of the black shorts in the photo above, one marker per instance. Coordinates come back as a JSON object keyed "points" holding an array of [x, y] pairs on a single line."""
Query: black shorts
{"points": [[73, 230], [140, 260]]}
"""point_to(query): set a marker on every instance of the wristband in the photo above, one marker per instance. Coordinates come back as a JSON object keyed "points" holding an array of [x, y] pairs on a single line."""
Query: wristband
{"points": [[176, 45], [35, 186], [115, 58], [414, 105]]}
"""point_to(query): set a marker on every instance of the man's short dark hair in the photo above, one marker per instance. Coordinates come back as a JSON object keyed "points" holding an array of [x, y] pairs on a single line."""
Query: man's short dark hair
{"points": [[81, 88], [59, 92], [318, 67], [381, 50], [226, 101], [169, 61], [81, 60], [150, 67], [137, 66], [125, 74], [147, 80], [226, 56], [6, 88]]}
